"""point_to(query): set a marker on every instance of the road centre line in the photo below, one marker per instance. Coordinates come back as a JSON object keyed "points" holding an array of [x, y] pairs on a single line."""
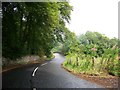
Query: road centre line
{"points": [[34, 88], [34, 71], [33, 74], [43, 64]]}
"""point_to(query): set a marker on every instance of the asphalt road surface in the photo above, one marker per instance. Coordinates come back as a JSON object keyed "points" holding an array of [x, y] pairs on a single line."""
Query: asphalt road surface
{"points": [[46, 75]]}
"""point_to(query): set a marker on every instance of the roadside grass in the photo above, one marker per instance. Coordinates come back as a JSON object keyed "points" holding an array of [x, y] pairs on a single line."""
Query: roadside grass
{"points": [[85, 66], [114, 69], [81, 70]]}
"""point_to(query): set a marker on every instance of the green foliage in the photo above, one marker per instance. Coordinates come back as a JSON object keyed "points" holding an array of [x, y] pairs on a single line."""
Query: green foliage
{"points": [[92, 53], [32, 28]]}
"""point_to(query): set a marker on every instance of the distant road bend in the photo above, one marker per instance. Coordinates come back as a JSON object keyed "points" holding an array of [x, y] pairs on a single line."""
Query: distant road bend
{"points": [[46, 75]]}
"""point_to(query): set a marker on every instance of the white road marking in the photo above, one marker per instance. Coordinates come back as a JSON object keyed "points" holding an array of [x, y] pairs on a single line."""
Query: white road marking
{"points": [[34, 71], [43, 64], [34, 88]]}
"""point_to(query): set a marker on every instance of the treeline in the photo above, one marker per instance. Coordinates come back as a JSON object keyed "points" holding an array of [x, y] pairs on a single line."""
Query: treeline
{"points": [[91, 53], [32, 27]]}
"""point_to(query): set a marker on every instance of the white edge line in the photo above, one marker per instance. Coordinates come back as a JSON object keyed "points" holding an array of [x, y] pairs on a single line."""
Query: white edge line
{"points": [[43, 64], [34, 71]]}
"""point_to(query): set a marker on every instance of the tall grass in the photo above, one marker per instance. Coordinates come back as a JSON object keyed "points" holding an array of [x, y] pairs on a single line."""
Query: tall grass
{"points": [[86, 65]]}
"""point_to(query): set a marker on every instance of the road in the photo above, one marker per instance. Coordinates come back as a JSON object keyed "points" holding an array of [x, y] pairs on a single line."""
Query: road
{"points": [[46, 75]]}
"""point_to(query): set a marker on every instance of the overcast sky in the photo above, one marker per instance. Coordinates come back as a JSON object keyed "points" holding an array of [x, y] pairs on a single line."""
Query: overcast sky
{"points": [[94, 15]]}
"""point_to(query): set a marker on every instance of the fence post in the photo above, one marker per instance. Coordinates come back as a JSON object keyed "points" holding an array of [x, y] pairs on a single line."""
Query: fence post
{"points": [[93, 62], [76, 61]]}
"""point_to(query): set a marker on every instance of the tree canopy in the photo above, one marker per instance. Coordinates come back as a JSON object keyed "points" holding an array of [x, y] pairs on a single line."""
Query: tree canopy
{"points": [[33, 28]]}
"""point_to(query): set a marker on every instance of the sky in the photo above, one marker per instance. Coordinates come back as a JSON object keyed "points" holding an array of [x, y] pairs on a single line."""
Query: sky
{"points": [[94, 15]]}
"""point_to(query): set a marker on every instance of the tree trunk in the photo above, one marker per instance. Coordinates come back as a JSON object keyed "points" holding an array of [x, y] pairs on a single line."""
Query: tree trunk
{"points": [[21, 29]]}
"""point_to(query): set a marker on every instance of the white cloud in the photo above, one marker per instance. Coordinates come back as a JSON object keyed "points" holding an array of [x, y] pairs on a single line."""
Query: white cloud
{"points": [[94, 15]]}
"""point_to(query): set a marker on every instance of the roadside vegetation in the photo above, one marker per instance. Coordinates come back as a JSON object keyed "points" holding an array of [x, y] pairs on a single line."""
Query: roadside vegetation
{"points": [[91, 53]]}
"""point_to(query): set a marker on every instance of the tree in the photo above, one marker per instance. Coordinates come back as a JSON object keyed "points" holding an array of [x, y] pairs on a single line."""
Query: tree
{"points": [[29, 27]]}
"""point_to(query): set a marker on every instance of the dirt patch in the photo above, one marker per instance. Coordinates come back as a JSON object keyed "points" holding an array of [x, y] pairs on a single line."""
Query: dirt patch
{"points": [[106, 81]]}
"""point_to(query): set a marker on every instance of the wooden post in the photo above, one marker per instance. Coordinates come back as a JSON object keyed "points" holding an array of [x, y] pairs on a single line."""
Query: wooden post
{"points": [[93, 62], [70, 61], [76, 61]]}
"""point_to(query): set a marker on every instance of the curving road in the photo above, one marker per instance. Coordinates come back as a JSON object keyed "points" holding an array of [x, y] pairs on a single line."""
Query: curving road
{"points": [[47, 75]]}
